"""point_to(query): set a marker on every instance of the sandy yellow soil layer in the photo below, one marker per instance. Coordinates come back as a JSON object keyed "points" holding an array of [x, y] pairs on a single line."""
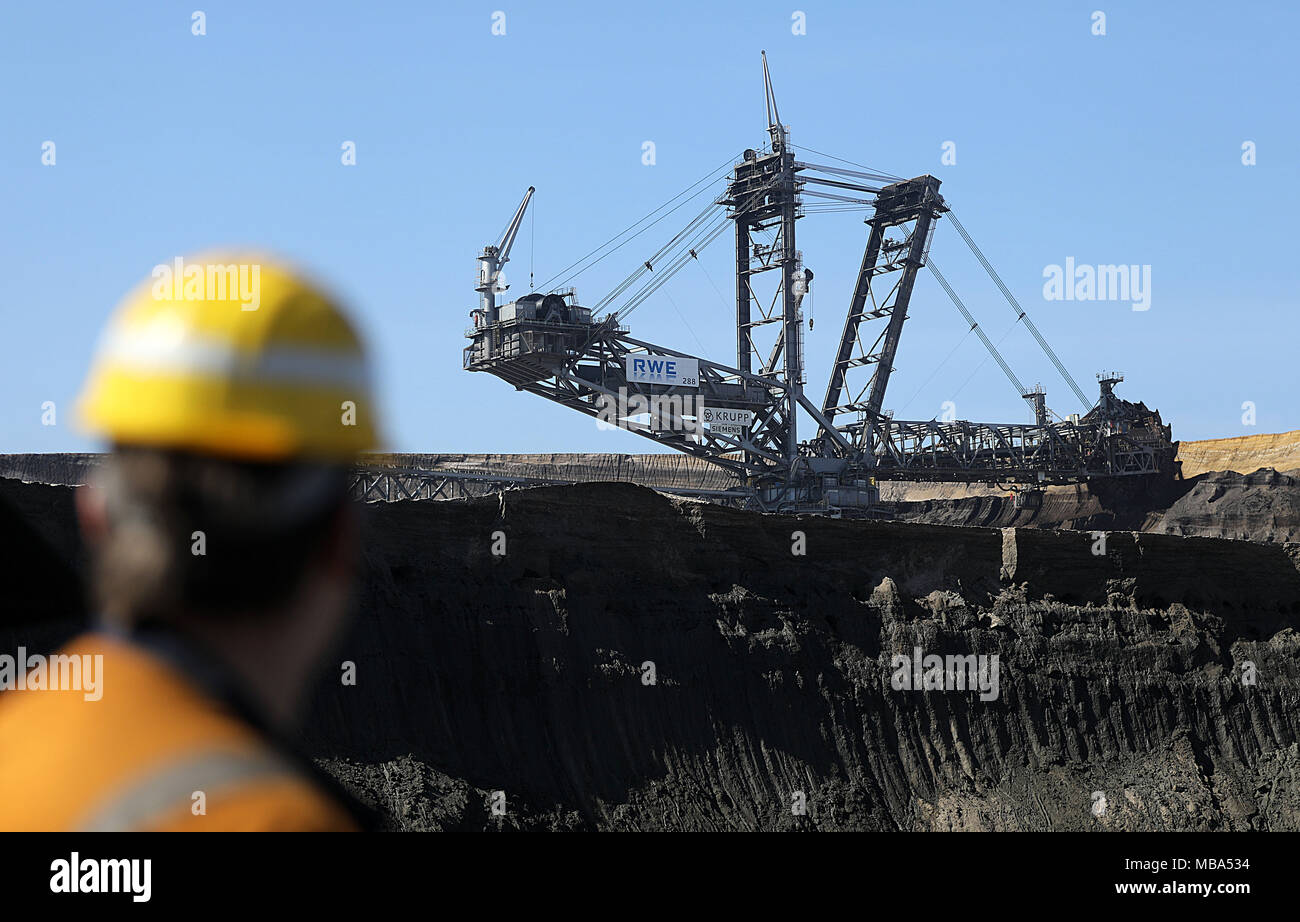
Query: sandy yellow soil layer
{"points": [[1244, 454]]}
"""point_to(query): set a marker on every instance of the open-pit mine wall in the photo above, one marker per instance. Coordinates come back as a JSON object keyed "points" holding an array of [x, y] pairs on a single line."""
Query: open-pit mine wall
{"points": [[632, 661]]}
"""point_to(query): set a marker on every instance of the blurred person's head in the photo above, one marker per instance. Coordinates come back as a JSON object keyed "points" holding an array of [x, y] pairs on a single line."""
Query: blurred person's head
{"points": [[236, 396]]}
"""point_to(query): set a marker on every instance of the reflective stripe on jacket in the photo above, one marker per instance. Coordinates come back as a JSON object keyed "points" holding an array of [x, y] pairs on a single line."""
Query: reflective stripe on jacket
{"points": [[154, 752]]}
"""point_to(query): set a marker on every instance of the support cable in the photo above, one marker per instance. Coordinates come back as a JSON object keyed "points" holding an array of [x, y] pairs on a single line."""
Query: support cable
{"points": [[661, 278], [708, 177], [972, 375], [655, 258], [862, 166], [717, 290], [988, 343], [1020, 312], [710, 234], [686, 323], [938, 368]]}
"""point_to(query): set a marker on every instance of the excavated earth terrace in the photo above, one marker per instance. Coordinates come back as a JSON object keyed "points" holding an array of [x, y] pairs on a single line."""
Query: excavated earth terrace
{"points": [[603, 656]]}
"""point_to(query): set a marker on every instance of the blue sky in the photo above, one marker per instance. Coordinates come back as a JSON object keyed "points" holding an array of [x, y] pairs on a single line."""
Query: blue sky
{"points": [[1122, 148]]}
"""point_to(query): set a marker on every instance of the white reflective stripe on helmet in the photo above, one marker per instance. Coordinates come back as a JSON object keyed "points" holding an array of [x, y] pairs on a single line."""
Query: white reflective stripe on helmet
{"points": [[163, 347]]}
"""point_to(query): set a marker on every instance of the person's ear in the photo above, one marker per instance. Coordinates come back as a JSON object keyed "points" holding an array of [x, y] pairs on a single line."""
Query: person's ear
{"points": [[92, 512], [341, 544]]}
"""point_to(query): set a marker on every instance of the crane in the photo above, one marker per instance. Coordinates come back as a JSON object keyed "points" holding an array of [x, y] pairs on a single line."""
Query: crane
{"points": [[494, 257]]}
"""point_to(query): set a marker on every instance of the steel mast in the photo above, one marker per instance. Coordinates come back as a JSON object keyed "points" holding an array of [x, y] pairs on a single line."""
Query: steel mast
{"points": [[763, 196]]}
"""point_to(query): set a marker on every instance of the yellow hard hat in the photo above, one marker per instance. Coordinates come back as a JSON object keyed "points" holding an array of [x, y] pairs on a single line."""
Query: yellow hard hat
{"points": [[232, 355]]}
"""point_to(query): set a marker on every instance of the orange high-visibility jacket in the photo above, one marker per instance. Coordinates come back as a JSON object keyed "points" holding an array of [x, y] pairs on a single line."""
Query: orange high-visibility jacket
{"points": [[154, 752]]}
